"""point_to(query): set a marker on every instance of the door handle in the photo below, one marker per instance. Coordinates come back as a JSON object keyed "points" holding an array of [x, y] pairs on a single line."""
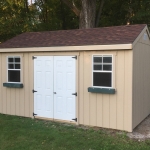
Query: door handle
{"points": [[54, 92]]}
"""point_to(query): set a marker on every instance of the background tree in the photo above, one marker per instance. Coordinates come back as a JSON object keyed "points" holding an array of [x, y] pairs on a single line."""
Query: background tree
{"points": [[55, 15], [88, 11], [139, 11], [120, 12], [15, 18], [94, 13], [18, 16]]}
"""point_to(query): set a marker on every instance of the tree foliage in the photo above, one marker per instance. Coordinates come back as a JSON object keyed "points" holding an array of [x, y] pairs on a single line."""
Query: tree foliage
{"points": [[88, 11], [55, 15], [17, 16], [120, 12]]}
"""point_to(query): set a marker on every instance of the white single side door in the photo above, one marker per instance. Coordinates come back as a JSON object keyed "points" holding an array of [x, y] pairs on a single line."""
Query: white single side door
{"points": [[43, 84], [64, 87]]}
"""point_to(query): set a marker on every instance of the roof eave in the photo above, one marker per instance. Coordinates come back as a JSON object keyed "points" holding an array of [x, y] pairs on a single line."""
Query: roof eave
{"points": [[69, 48]]}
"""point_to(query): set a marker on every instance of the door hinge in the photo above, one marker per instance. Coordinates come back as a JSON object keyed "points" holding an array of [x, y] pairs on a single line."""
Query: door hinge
{"points": [[34, 114], [33, 91], [33, 57], [74, 94], [75, 57], [75, 119]]}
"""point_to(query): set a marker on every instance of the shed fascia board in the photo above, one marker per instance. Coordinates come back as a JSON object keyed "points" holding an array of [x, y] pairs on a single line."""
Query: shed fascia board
{"points": [[140, 35], [69, 48]]}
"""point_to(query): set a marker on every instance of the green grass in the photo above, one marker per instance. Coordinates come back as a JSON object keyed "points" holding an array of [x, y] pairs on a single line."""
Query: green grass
{"points": [[18, 133]]}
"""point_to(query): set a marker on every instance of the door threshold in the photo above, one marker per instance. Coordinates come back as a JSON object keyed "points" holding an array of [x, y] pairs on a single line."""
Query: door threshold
{"points": [[44, 118], [65, 121], [55, 120]]}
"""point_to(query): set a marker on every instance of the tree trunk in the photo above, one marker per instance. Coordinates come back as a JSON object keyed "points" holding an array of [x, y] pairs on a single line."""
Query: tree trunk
{"points": [[87, 14], [26, 6], [63, 16], [99, 13]]}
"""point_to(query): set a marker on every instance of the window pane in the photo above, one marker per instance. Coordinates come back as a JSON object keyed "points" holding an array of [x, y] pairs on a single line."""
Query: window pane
{"points": [[98, 59], [10, 59], [97, 67], [17, 59], [13, 76], [102, 79], [107, 59], [17, 66], [107, 67], [10, 66]]}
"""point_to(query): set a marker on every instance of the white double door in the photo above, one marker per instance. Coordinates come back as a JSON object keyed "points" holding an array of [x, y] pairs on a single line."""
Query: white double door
{"points": [[54, 84]]}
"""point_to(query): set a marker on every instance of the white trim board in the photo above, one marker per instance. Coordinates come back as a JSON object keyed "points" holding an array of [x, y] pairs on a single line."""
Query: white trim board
{"points": [[69, 48]]}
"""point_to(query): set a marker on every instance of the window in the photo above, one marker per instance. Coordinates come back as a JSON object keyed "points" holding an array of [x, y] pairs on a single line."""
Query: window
{"points": [[14, 69], [102, 70]]}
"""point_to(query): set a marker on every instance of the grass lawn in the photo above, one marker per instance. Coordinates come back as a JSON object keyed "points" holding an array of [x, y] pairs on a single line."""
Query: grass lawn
{"points": [[18, 133]]}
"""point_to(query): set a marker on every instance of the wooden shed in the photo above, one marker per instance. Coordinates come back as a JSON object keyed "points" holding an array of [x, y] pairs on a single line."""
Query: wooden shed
{"points": [[96, 77]]}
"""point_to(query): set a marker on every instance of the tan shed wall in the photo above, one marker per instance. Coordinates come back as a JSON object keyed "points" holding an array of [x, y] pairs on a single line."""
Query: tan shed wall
{"points": [[141, 81], [16, 101], [103, 110], [106, 110], [20, 101]]}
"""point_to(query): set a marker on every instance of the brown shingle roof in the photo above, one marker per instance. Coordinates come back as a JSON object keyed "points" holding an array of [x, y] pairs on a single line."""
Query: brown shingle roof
{"points": [[95, 36]]}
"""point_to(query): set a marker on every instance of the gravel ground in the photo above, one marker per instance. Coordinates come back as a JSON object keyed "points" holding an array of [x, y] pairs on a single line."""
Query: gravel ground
{"points": [[142, 131]]}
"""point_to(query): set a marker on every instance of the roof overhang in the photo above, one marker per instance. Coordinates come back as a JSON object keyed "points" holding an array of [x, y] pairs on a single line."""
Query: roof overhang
{"points": [[69, 48]]}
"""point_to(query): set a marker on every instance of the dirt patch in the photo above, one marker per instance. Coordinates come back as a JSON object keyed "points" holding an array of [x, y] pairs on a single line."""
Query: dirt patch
{"points": [[142, 131]]}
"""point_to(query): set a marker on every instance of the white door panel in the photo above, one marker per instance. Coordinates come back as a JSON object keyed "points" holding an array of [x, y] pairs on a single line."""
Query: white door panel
{"points": [[64, 86], [43, 84], [54, 81]]}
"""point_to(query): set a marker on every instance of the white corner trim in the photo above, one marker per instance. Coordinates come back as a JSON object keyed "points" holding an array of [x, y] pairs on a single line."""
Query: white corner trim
{"points": [[69, 48]]}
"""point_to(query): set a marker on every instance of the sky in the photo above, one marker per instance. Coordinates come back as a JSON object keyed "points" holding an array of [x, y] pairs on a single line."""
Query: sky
{"points": [[30, 1]]}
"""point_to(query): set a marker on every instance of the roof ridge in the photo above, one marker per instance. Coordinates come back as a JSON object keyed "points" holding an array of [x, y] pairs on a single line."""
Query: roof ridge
{"points": [[87, 28]]}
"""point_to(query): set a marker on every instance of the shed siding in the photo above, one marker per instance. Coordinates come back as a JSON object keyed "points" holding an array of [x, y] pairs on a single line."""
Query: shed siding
{"points": [[103, 110], [81, 89], [106, 110], [3, 91], [141, 82], [16, 101]]}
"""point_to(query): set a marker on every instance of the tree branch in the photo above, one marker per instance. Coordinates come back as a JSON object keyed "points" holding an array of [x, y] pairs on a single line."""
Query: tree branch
{"points": [[72, 7], [99, 12]]}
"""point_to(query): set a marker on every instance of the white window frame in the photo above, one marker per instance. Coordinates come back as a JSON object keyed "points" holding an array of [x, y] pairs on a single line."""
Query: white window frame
{"points": [[13, 69], [102, 55]]}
